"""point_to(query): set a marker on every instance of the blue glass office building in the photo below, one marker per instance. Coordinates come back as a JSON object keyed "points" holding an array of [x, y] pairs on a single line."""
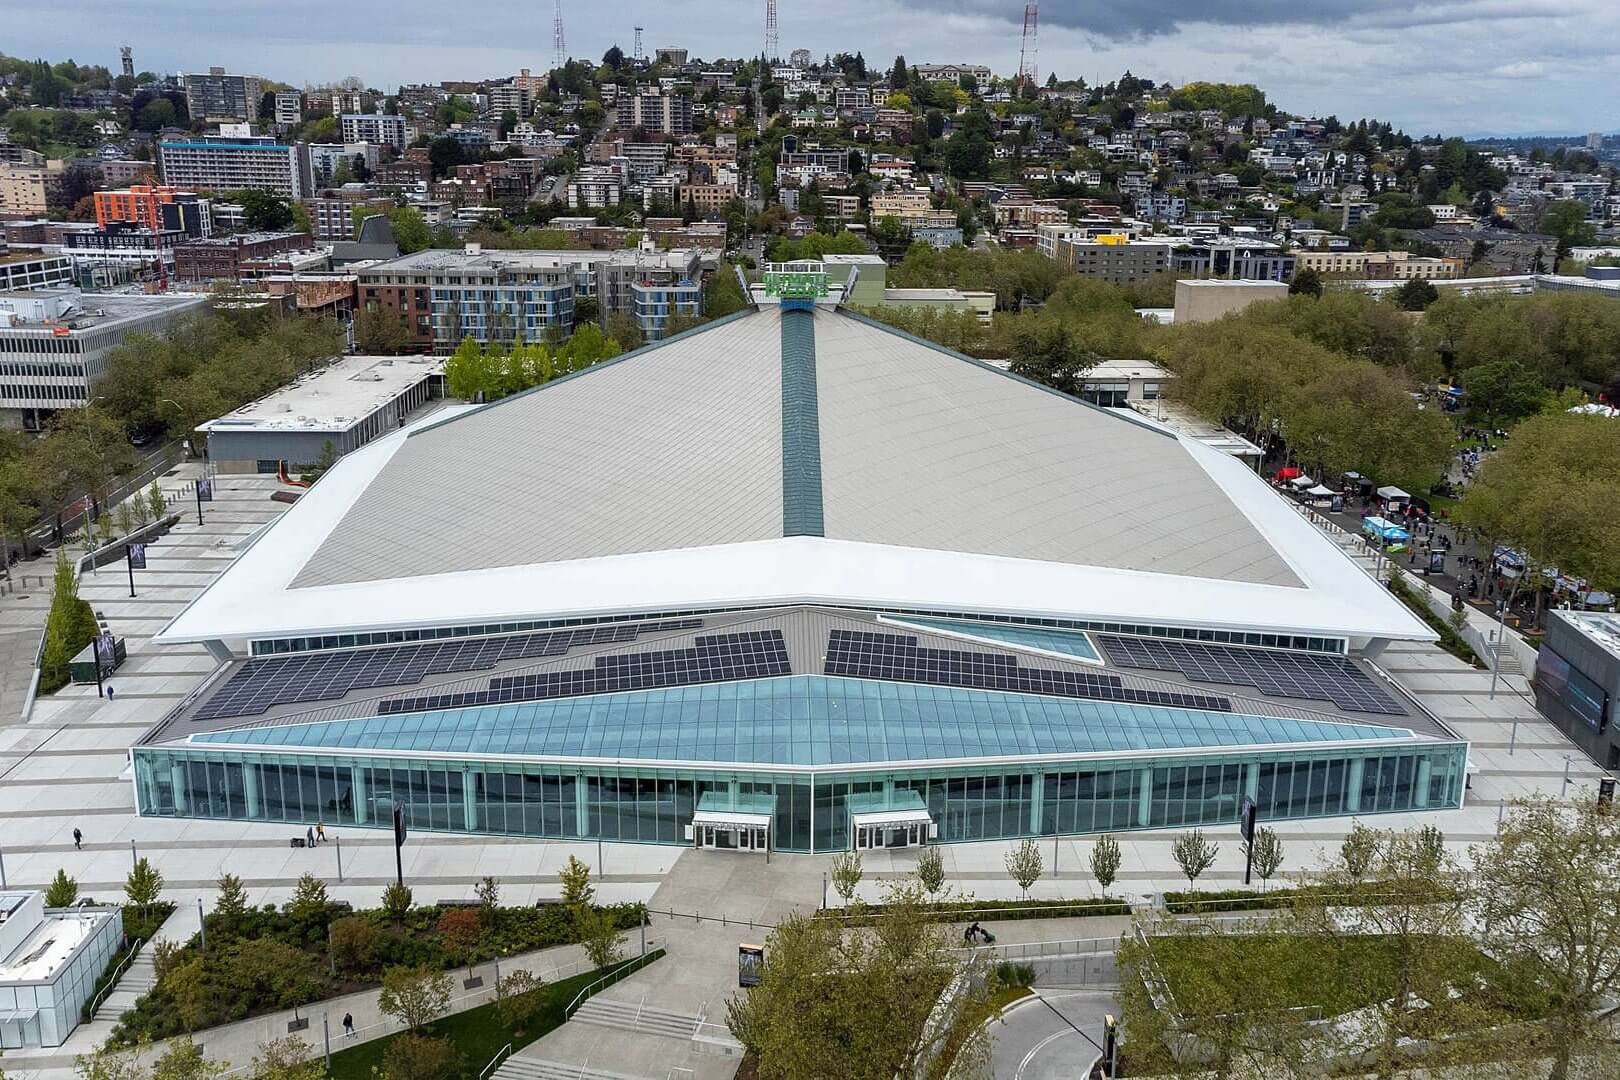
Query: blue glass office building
{"points": [[793, 581]]}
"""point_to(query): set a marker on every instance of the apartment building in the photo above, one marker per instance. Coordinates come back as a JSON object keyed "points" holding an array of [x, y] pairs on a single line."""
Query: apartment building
{"points": [[953, 73], [665, 113], [289, 107], [1018, 213], [54, 344], [157, 207], [373, 128], [26, 190], [222, 259], [235, 165], [1380, 265], [331, 213], [595, 186], [444, 296], [324, 159], [1239, 259], [516, 97], [1112, 258], [218, 98], [1047, 237]]}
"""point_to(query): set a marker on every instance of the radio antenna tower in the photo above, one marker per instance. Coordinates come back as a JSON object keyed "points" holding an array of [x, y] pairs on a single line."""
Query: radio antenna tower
{"points": [[1029, 55], [638, 55], [557, 37], [128, 59], [772, 42]]}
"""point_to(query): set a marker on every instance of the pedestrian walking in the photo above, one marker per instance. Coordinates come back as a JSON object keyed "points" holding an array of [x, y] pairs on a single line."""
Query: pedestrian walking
{"points": [[320, 832], [109, 691], [310, 841], [78, 840], [348, 1025]]}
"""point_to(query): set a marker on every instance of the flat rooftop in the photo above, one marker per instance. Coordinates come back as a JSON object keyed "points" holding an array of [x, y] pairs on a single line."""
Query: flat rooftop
{"points": [[52, 944], [343, 392], [89, 311], [1230, 283], [523, 258], [1601, 628]]}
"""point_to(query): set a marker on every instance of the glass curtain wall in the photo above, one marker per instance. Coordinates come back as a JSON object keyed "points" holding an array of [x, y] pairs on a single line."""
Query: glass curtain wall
{"points": [[654, 806]]}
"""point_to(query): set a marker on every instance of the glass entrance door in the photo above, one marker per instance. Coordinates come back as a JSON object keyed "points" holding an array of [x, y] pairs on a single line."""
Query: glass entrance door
{"points": [[732, 837]]}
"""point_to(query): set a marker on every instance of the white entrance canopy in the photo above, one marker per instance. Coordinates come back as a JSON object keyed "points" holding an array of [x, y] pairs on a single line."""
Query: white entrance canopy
{"points": [[731, 819], [890, 819]]}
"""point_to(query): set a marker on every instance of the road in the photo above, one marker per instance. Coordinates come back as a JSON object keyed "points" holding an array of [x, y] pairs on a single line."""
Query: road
{"points": [[1055, 1035]]}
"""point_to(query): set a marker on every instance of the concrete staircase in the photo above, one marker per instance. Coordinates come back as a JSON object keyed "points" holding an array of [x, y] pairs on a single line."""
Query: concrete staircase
{"points": [[1507, 659], [139, 977], [631, 1016], [534, 1069]]}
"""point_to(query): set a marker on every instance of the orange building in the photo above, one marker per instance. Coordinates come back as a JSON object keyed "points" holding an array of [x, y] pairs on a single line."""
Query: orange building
{"points": [[138, 203]]}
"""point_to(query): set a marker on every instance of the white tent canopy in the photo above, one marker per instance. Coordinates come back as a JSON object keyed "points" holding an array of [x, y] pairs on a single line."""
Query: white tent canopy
{"points": [[1391, 493], [1319, 489], [1302, 482]]}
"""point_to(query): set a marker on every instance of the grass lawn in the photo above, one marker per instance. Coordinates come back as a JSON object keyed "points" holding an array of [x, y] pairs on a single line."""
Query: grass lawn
{"points": [[478, 1033]]}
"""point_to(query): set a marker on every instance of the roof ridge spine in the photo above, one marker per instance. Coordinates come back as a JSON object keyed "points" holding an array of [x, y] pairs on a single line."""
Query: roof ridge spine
{"points": [[801, 427]]}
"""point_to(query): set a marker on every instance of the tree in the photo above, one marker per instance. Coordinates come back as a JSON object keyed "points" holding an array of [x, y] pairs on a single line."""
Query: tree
{"points": [[144, 884], [1105, 860], [1306, 283], [1416, 295], [354, 942], [379, 332], [410, 229], [1567, 220], [1548, 494], [575, 877], [1268, 853], [488, 892], [156, 503], [62, 892], [846, 874], [461, 930], [309, 900], [415, 996], [322, 463], [183, 1060], [614, 57], [262, 211], [931, 870], [287, 1058], [1358, 851], [810, 1016], [518, 997], [600, 936], [397, 901], [1548, 903], [1024, 865], [899, 74], [1048, 350], [416, 1057], [968, 150], [1500, 393], [1194, 854]]}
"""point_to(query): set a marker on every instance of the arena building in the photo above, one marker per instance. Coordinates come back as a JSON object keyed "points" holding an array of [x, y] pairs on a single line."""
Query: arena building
{"points": [[793, 580]]}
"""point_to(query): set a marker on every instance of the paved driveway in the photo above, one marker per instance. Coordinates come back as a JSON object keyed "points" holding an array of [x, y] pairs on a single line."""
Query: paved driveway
{"points": [[1051, 1036]]}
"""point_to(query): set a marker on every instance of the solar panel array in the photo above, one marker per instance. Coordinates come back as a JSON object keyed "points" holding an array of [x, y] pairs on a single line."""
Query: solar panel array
{"points": [[326, 676], [1276, 674], [754, 654], [864, 655]]}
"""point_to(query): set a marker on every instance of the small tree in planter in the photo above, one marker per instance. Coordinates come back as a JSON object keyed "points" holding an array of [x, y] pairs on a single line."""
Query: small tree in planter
{"points": [[461, 928], [1359, 850], [1105, 860], [489, 900], [601, 938], [1024, 865], [144, 885], [63, 891], [931, 870], [846, 874], [1268, 854], [1194, 854], [397, 901], [156, 502], [576, 882]]}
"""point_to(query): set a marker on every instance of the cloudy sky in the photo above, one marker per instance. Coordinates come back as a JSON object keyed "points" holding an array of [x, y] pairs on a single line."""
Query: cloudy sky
{"points": [[1454, 66]]}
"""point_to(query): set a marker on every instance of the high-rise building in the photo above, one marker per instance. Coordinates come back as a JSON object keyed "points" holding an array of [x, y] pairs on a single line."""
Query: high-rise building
{"points": [[220, 98], [235, 165], [155, 206], [667, 114], [373, 128], [289, 107]]}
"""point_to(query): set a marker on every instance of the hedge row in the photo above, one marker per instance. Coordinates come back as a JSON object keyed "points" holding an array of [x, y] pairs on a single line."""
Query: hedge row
{"points": [[987, 910]]}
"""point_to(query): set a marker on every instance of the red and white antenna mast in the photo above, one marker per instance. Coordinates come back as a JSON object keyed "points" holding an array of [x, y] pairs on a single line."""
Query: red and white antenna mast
{"points": [[773, 46], [1029, 55], [557, 38]]}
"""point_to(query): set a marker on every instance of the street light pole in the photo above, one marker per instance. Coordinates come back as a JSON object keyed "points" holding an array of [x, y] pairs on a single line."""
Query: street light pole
{"points": [[1496, 651]]}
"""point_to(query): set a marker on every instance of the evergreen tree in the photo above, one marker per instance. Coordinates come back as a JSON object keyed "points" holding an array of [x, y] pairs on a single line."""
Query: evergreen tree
{"points": [[899, 74]]}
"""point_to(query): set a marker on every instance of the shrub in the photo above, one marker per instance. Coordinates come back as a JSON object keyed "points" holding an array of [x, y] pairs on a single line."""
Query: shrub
{"points": [[63, 890], [518, 998], [416, 1057], [396, 901], [354, 942], [1010, 974], [415, 996]]}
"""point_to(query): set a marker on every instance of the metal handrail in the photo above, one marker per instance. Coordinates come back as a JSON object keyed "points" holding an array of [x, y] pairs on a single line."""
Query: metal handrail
{"points": [[629, 967], [500, 1055], [118, 973]]}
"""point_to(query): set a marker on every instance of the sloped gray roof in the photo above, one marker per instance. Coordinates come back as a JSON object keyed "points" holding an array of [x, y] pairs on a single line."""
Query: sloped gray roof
{"points": [[681, 445]]}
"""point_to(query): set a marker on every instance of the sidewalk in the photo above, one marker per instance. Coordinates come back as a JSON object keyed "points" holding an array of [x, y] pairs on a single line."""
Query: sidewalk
{"points": [[237, 1043]]}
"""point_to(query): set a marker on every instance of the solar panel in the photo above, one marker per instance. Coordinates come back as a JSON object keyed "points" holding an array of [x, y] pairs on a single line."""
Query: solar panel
{"points": [[262, 683], [899, 658], [1309, 676], [753, 654]]}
